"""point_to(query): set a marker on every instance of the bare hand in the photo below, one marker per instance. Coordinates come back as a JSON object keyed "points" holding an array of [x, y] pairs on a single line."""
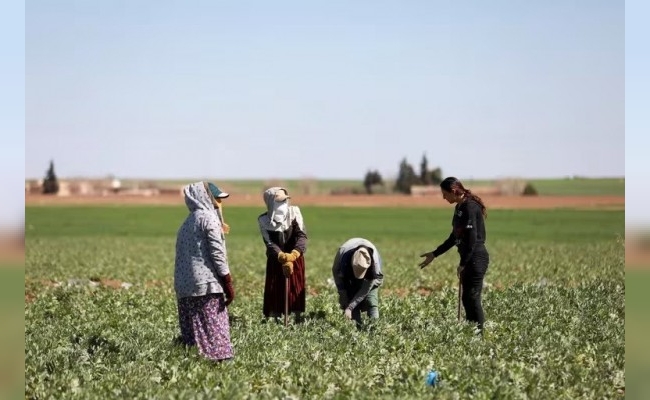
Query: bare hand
{"points": [[429, 257], [348, 313], [225, 228]]}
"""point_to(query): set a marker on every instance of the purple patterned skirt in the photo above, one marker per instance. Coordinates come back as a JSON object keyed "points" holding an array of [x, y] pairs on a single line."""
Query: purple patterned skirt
{"points": [[204, 322]]}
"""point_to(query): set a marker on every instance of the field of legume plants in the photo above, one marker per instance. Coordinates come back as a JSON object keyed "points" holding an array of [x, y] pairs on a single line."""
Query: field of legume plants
{"points": [[100, 312]]}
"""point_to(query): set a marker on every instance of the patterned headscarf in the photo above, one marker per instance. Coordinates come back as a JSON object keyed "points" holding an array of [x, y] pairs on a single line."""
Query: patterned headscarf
{"points": [[199, 195]]}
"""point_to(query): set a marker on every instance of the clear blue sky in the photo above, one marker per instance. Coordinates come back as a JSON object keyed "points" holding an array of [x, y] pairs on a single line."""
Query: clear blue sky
{"points": [[637, 98], [325, 89], [12, 113]]}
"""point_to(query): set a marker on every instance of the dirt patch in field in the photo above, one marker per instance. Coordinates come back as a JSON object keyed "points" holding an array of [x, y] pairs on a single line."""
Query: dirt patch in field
{"points": [[637, 252], [494, 202], [33, 285], [12, 250], [29, 297], [156, 283], [110, 283], [399, 292], [40, 284]]}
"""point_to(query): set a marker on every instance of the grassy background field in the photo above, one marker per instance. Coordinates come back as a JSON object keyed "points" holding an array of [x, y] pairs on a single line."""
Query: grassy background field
{"points": [[545, 187], [637, 325], [555, 302], [12, 339], [572, 186]]}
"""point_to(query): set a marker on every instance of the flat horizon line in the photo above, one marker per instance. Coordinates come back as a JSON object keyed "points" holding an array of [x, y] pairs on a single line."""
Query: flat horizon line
{"points": [[126, 178]]}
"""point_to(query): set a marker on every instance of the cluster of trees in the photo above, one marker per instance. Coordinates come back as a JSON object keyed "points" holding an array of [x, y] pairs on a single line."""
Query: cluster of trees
{"points": [[406, 177], [50, 183]]}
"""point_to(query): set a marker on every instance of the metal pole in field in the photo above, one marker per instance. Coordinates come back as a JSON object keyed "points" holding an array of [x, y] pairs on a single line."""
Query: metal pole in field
{"points": [[460, 289], [286, 300]]}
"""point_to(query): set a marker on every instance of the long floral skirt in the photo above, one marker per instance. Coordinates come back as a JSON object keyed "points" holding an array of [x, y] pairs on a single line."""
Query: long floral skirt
{"points": [[204, 322]]}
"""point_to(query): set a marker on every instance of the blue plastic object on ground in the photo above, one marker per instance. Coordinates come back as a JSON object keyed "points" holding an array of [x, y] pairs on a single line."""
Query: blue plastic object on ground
{"points": [[432, 378]]}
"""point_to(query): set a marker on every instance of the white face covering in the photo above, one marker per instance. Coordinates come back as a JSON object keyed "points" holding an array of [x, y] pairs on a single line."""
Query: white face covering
{"points": [[280, 211]]}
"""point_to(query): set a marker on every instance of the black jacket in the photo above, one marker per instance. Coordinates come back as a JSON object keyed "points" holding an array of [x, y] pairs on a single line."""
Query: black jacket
{"points": [[468, 231]]}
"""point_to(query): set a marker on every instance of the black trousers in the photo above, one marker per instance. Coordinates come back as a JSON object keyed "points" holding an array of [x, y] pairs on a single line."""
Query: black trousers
{"points": [[472, 284]]}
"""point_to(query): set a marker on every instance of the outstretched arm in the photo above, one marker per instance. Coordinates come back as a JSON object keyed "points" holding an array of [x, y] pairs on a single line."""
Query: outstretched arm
{"points": [[445, 246], [440, 250]]}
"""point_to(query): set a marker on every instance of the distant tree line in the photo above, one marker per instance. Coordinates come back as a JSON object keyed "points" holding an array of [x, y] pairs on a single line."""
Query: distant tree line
{"points": [[406, 177], [50, 183]]}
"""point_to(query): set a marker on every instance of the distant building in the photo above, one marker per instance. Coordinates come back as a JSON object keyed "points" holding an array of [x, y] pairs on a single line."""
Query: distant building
{"points": [[116, 185]]}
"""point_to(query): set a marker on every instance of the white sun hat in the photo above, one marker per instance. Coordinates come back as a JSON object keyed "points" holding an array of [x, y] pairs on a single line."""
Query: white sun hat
{"points": [[360, 262]]}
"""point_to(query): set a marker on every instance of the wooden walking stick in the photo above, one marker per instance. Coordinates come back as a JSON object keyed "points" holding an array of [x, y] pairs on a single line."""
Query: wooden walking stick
{"points": [[286, 300]]}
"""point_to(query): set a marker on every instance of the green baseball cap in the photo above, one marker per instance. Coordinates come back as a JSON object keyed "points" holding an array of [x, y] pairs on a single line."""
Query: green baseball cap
{"points": [[216, 192]]}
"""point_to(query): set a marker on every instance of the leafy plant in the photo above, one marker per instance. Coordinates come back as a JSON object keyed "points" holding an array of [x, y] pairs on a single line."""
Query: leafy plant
{"points": [[554, 300]]}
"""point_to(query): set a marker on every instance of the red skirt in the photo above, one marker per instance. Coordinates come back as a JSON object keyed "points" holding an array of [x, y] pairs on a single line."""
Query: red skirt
{"points": [[275, 284]]}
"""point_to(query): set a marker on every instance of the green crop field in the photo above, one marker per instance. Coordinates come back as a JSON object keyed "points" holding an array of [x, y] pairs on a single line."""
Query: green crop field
{"points": [[554, 301], [637, 323], [573, 186]]}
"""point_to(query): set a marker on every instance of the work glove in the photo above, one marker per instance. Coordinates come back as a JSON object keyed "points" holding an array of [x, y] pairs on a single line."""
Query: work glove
{"points": [[283, 257], [229, 289], [293, 256], [287, 268]]}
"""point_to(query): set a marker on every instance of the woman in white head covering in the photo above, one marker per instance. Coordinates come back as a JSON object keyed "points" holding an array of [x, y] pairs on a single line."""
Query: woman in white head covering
{"points": [[284, 235]]}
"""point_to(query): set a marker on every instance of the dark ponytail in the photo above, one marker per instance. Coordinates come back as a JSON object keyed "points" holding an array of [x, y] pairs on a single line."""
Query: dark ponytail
{"points": [[453, 185]]}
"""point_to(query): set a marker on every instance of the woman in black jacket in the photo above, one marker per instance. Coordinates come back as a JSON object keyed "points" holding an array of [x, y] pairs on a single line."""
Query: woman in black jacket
{"points": [[468, 235]]}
